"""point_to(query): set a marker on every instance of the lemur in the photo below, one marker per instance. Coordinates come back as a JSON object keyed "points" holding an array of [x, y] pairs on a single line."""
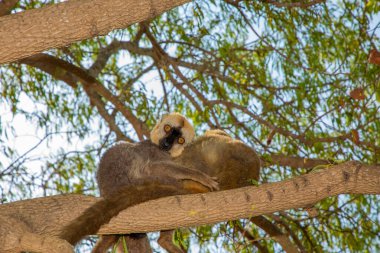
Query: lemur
{"points": [[215, 154], [139, 172]]}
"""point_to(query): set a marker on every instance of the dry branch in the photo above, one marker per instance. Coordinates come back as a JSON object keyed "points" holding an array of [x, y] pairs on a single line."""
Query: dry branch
{"points": [[276, 233], [33, 31], [46, 216]]}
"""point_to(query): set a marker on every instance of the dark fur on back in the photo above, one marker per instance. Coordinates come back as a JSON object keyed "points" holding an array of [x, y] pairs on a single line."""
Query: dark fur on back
{"points": [[130, 174], [123, 165]]}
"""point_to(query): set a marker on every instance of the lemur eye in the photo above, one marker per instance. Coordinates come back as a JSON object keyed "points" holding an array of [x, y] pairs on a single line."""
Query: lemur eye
{"points": [[167, 128], [181, 140]]}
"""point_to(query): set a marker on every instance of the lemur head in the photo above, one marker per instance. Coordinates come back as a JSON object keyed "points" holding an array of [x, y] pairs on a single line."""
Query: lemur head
{"points": [[172, 133]]}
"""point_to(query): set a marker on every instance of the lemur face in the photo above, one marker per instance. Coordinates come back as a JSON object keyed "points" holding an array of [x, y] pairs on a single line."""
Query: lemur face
{"points": [[172, 133]]}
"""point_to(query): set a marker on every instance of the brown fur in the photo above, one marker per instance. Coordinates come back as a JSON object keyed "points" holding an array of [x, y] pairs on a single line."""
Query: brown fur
{"points": [[129, 174], [127, 164], [215, 154], [218, 155]]}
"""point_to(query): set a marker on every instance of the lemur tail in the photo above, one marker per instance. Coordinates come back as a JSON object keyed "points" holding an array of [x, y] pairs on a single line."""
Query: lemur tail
{"points": [[89, 222]]}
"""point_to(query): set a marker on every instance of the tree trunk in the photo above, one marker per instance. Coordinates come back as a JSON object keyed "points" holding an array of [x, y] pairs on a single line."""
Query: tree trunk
{"points": [[33, 31]]}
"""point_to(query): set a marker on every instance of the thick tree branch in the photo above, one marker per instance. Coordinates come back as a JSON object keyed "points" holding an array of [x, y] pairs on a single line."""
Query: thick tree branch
{"points": [[194, 210], [47, 64], [198, 209], [33, 31]]}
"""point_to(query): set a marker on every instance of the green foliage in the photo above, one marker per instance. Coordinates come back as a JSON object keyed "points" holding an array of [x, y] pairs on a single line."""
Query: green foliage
{"points": [[253, 69]]}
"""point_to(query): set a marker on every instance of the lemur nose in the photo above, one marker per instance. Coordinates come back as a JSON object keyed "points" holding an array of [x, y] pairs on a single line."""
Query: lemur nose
{"points": [[176, 132]]}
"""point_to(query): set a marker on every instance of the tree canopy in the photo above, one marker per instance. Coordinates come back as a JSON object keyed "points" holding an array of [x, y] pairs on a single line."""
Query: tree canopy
{"points": [[290, 79]]}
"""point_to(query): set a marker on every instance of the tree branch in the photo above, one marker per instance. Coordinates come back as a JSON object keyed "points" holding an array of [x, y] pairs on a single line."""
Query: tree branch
{"points": [[293, 235], [301, 4], [276, 233], [198, 209], [294, 162], [71, 74], [33, 31], [252, 240]]}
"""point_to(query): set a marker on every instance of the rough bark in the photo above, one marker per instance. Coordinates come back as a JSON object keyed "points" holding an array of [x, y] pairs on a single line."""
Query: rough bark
{"points": [[33, 31], [198, 209]]}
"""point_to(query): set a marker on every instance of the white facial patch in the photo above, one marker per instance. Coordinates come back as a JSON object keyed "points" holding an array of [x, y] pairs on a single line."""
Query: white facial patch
{"points": [[175, 120]]}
